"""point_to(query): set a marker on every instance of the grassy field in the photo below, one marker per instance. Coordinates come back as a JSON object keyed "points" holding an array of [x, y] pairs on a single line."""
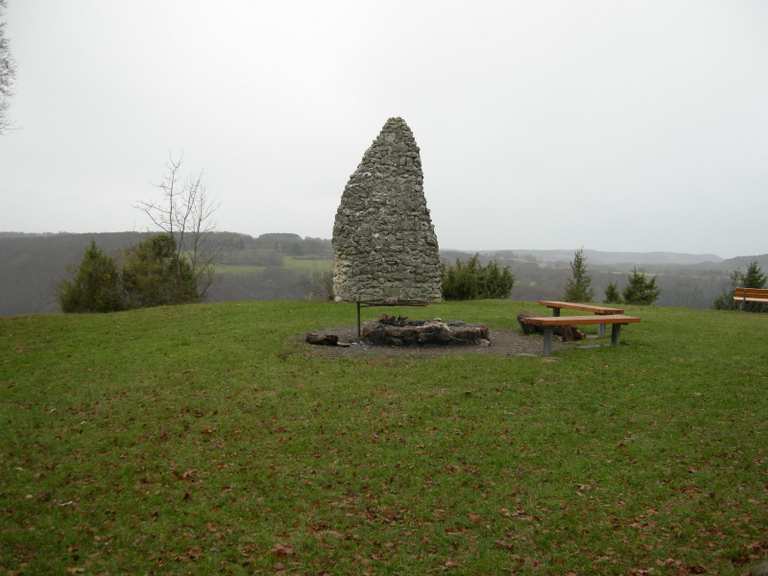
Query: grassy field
{"points": [[308, 264], [204, 439], [239, 269], [289, 262]]}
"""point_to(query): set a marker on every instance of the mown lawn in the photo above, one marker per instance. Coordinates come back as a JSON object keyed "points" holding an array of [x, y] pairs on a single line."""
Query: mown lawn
{"points": [[203, 439]]}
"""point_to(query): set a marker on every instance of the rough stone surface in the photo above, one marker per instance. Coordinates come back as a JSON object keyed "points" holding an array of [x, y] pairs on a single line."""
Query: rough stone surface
{"points": [[384, 243], [399, 331]]}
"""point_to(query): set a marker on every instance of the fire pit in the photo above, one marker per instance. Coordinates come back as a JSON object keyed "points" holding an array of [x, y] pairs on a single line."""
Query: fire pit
{"points": [[400, 331]]}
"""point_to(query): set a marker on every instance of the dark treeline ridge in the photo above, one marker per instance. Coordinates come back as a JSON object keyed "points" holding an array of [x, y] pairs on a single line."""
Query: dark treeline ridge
{"points": [[288, 266], [33, 265], [688, 285]]}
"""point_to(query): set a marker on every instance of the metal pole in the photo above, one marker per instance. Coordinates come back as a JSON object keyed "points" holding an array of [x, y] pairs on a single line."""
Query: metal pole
{"points": [[547, 340], [359, 333]]}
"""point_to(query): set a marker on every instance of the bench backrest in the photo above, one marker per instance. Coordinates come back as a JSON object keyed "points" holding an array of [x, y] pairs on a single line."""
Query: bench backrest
{"points": [[750, 293]]}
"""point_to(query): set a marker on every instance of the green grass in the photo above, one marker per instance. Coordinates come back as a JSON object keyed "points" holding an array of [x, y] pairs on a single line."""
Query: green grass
{"points": [[202, 439], [307, 264]]}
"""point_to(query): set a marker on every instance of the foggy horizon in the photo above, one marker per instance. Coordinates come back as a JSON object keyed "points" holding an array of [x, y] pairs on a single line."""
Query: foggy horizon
{"points": [[621, 128]]}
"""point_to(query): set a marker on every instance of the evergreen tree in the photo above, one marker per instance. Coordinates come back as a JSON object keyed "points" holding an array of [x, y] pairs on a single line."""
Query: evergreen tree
{"points": [[578, 288], [155, 274], [640, 289], [612, 295], [754, 277], [95, 286]]}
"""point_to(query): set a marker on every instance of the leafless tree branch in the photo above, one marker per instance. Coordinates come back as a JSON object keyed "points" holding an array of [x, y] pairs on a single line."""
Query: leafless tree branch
{"points": [[186, 214], [7, 72]]}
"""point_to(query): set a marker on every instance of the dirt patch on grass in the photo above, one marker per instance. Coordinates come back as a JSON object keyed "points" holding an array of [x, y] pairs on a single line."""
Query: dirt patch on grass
{"points": [[503, 343]]}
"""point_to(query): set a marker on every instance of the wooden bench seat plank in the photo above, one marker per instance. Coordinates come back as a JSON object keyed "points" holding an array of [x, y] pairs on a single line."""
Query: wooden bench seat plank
{"points": [[594, 308], [548, 323], [759, 300], [580, 320]]}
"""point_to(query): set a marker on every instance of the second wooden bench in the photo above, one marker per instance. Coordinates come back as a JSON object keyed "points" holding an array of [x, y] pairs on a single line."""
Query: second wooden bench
{"points": [[744, 295], [547, 323], [556, 305]]}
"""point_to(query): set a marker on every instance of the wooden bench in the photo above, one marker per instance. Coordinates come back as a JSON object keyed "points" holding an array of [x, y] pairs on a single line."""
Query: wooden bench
{"points": [[744, 295], [549, 322], [556, 305]]}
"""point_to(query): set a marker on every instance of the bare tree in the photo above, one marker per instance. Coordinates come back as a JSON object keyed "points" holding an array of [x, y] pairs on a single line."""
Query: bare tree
{"points": [[185, 213], [7, 71]]}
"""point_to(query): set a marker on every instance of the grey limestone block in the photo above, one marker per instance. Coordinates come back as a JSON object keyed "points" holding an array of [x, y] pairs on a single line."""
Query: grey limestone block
{"points": [[384, 243]]}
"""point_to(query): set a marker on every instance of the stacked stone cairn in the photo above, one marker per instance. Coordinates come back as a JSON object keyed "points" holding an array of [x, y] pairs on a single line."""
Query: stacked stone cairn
{"points": [[383, 240]]}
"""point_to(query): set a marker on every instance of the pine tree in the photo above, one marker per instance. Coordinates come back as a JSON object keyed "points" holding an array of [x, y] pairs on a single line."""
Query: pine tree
{"points": [[612, 295], [754, 277], [640, 289], [578, 288], [95, 286], [154, 274]]}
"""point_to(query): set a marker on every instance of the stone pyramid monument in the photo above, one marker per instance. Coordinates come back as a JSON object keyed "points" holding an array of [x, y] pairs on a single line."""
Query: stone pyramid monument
{"points": [[383, 240]]}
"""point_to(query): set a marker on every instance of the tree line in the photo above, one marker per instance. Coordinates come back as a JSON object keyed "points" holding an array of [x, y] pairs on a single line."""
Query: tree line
{"points": [[156, 272], [471, 279], [153, 273]]}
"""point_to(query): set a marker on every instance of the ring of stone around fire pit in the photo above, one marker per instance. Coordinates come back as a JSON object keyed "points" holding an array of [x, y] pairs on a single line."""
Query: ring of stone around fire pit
{"points": [[400, 331]]}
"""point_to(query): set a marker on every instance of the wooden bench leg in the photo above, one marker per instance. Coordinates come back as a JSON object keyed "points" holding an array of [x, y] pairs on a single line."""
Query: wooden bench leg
{"points": [[615, 330], [601, 330], [547, 341]]}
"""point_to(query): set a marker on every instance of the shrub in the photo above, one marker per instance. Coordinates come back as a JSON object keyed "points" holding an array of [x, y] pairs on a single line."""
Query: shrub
{"points": [[471, 280], [612, 295], [640, 289], [95, 286], [155, 274]]}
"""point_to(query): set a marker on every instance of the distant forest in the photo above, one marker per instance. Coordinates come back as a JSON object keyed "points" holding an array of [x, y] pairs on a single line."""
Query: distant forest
{"points": [[287, 266]]}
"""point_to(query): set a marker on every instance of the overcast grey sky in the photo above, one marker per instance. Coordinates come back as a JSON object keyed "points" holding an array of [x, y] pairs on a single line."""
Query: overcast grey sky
{"points": [[609, 125]]}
